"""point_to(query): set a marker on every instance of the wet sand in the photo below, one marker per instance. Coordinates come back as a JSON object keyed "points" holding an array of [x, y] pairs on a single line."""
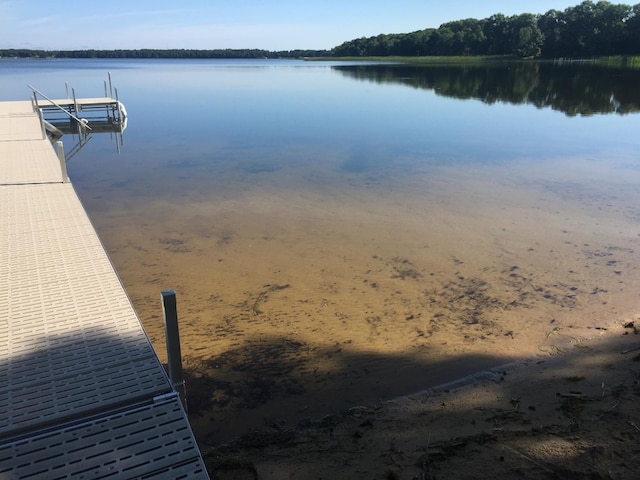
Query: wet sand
{"points": [[301, 296], [569, 416]]}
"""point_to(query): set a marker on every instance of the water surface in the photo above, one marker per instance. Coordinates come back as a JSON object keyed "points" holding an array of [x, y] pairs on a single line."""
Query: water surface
{"points": [[342, 233]]}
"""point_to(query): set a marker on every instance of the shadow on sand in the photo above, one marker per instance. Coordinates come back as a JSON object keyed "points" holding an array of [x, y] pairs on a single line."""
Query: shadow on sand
{"points": [[277, 381], [570, 415]]}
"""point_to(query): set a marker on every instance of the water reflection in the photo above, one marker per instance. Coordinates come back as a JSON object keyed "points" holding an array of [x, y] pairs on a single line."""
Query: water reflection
{"points": [[60, 123], [574, 90], [80, 137]]}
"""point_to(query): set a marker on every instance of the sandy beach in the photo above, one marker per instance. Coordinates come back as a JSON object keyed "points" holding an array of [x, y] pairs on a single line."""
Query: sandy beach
{"points": [[571, 415]]}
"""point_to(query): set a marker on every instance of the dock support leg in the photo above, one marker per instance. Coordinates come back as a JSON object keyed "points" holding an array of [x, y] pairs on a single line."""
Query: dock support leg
{"points": [[63, 162], [42, 125], [172, 337], [75, 103]]}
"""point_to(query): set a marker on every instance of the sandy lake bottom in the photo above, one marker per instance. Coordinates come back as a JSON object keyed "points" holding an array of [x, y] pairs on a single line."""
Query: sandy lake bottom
{"points": [[299, 296]]}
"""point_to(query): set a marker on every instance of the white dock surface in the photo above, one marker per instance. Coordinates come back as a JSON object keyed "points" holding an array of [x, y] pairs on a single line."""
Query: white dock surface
{"points": [[82, 393]]}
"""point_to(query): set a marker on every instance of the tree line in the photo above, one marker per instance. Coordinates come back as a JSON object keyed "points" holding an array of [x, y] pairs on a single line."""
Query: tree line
{"points": [[588, 29], [166, 53]]}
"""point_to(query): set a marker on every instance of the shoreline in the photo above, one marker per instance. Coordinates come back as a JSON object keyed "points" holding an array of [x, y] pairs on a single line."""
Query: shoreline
{"points": [[248, 421], [538, 418]]}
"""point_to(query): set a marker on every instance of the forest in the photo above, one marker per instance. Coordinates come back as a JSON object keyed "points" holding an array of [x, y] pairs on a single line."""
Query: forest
{"points": [[586, 30], [167, 53]]}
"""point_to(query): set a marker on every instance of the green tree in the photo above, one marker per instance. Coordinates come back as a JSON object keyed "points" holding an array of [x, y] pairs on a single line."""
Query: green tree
{"points": [[441, 42], [527, 38], [610, 31], [633, 31], [462, 37], [496, 30], [552, 25]]}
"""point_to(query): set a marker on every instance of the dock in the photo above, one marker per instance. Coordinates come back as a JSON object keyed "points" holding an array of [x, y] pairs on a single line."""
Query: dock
{"points": [[71, 115], [82, 392]]}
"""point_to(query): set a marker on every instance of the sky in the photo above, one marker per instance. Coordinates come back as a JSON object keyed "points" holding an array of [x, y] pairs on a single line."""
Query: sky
{"points": [[212, 24]]}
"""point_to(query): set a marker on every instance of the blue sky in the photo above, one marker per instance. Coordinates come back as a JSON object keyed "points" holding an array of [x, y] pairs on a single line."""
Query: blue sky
{"points": [[271, 25]]}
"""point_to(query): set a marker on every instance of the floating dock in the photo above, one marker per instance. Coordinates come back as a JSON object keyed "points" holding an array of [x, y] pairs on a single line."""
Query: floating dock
{"points": [[82, 392]]}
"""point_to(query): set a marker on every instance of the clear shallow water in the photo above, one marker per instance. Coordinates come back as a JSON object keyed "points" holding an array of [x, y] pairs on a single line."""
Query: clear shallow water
{"points": [[340, 234]]}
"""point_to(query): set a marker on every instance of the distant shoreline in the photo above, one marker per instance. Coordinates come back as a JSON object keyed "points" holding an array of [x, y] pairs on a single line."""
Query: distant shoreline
{"points": [[616, 61]]}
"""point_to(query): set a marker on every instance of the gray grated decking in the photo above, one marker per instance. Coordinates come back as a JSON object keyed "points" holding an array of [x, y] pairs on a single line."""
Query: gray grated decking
{"points": [[82, 393]]}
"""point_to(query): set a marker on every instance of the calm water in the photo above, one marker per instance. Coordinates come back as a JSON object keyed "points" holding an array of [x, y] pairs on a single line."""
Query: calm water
{"points": [[343, 233]]}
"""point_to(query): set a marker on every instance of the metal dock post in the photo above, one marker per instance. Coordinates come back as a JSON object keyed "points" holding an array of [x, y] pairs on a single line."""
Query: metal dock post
{"points": [[172, 335]]}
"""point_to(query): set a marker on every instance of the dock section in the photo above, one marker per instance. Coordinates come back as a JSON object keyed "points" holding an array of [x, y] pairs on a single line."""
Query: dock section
{"points": [[82, 393]]}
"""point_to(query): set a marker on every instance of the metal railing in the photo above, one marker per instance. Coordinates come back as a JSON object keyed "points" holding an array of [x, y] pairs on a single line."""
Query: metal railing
{"points": [[81, 122]]}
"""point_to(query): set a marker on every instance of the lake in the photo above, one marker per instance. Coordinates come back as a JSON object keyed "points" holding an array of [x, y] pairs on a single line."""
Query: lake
{"points": [[341, 233]]}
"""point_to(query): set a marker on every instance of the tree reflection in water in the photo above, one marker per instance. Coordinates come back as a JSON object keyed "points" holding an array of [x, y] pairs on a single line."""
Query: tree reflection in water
{"points": [[572, 89]]}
